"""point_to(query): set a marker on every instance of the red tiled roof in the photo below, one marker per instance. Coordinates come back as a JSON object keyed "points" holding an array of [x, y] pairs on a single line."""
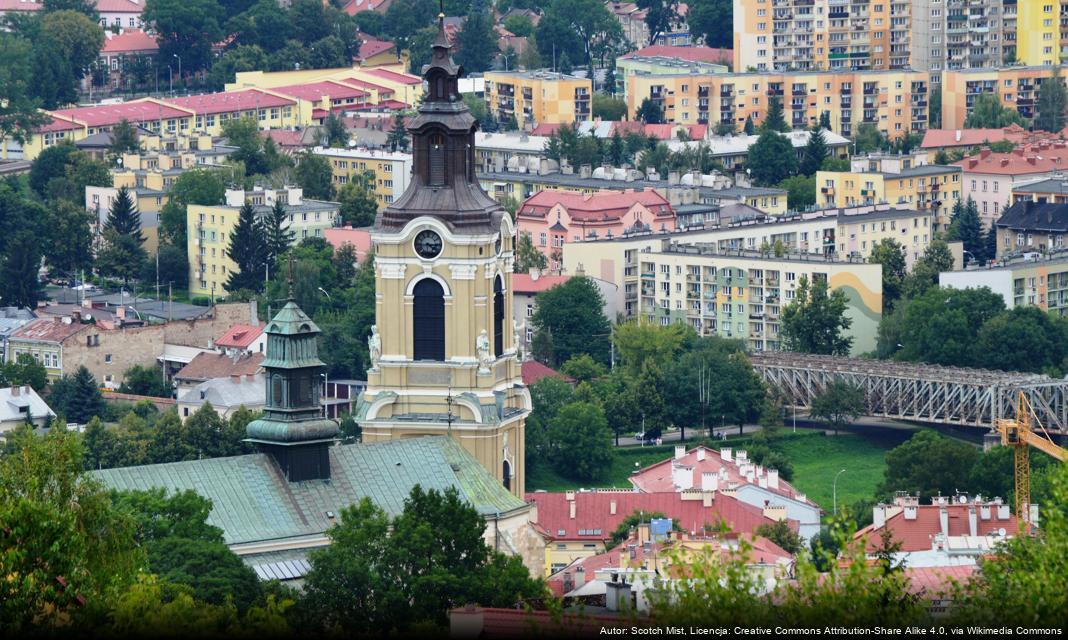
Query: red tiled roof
{"points": [[106, 115], [19, 5], [51, 329], [916, 535], [666, 131], [1039, 157], [246, 100], [371, 48], [690, 54], [119, 6], [314, 91], [129, 40], [284, 137], [657, 478], [404, 78], [534, 371], [352, 7], [524, 283], [545, 129], [359, 238], [600, 205], [932, 581], [935, 138], [370, 86], [57, 123], [239, 336], [593, 511], [208, 366], [395, 105]]}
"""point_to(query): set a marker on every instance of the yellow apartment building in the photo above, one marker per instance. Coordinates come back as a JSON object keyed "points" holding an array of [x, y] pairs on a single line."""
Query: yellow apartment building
{"points": [[538, 97], [383, 84], [210, 227], [1016, 86], [776, 35], [894, 101], [1038, 32], [896, 180], [392, 171]]}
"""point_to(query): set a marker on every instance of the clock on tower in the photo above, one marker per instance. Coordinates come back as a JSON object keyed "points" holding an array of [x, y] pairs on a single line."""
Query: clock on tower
{"points": [[443, 352]]}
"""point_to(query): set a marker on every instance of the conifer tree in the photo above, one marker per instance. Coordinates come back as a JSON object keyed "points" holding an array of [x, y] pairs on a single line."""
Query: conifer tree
{"points": [[774, 120], [1052, 102], [248, 250], [278, 234], [123, 217], [815, 152], [398, 135], [749, 129]]}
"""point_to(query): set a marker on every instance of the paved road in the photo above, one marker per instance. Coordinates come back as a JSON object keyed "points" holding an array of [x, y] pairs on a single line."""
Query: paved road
{"points": [[802, 422]]}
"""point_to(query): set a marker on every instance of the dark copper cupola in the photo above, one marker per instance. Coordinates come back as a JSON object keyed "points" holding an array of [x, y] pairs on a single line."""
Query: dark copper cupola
{"points": [[443, 182]]}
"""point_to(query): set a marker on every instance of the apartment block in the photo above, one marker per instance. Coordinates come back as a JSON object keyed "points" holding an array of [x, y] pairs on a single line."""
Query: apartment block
{"points": [[1038, 31], [210, 228], [736, 294], [781, 35], [905, 180], [392, 171], [1016, 86], [961, 34], [1020, 281], [896, 102], [659, 59], [538, 97]]}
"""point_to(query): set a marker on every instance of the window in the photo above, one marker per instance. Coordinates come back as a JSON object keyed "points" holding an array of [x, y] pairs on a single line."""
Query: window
{"points": [[428, 321], [437, 160], [498, 317]]}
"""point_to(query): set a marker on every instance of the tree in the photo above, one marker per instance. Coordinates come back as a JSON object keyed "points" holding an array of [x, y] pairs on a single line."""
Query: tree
{"points": [[171, 266], [315, 176], [477, 43], [124, 139], [358, 203], [245, 57], [891, 255], [77, 38], [800, 191], [609, 108], [650, 398], [989, 113], [257, 153], [781, 534], [966, 227], [1052, 102], [548, 396], [20, 285], [529, 58], [578, 27], [839, 405], [277, 232], [928, 464], [868, 138], [629, 524], [43, 538], [582, 368], [186, 29], [713, 384], [23, 370], [771, 159], [815, 152], [1024, 339], [248, 250], [76, 397], [659, 17], [398, 135], [122, 255], [123, 217], [380, 575], [816, 320], [620, 402], [640, 342], [193, 186], [527, 256], [711, 22], [145, 381], [519, 25], [84, 7], [19, 116], [650, 112], [571, 314], [774, 120], [581, 441], [50, 163], [749, 128], [942, 325], [936, 259]]}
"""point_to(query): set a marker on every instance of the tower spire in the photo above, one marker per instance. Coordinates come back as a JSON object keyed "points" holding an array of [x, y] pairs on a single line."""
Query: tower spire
{"points": [[289, 279]]}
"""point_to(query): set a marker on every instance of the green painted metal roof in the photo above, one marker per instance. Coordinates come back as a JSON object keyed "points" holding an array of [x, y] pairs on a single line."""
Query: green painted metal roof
{"points": [[291, 321], [253, 502]]}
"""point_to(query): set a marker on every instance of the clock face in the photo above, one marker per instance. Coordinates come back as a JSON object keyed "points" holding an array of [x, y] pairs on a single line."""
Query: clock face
{"points": [[428, 244]]}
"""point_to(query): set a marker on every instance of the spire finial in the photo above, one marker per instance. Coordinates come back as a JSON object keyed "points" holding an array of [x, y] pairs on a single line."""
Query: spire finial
{"points": [[289, 278]]}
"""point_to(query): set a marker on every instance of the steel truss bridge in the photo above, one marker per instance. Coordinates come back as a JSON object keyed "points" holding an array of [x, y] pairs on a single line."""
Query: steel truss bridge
{"points": [[919, 392]]}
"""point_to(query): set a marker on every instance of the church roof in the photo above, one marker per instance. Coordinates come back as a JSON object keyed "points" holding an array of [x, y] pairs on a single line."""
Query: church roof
{"points": [[291, 321], [253, 502]]}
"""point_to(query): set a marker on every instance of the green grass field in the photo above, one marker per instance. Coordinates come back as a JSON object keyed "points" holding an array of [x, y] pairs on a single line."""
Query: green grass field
{"points": [[816, 459]]}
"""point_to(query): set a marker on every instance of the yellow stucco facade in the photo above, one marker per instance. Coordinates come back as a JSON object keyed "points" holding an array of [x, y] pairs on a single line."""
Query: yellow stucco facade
{"points": [[538, 97]]}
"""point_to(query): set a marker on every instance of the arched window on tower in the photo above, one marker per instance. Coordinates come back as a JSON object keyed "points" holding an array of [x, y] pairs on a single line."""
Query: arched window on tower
{"points": [[437, 160], [498, 317], [507, 473], [428, 322]]}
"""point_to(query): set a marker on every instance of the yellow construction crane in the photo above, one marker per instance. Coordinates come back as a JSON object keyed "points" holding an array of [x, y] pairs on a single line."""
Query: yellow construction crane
{"points": [[1017, 432]]}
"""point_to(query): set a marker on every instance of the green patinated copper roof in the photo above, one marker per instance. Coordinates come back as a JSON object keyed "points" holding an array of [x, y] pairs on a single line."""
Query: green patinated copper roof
{"points": [[291, 321], [252, 502], [267, 430]]}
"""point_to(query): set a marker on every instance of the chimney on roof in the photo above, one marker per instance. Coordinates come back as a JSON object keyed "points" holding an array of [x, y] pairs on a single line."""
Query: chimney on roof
{"points": [[878, 518], [973, 521], [1004, 162], [957, 135], [943, 519], [984, 152], [984, 511], [725, 454], [680, 451], [580, 577], [1032, 511], [743, 456], [15, 391], [235, 378], [1003, 512], [612, 507], [911, 511], [571, 509], [773, 478], [709, 481], [700, 454], [682, 477]]}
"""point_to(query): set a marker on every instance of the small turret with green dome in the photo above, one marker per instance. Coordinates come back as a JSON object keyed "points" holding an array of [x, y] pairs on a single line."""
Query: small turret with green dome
{"points": [[292, 428]]}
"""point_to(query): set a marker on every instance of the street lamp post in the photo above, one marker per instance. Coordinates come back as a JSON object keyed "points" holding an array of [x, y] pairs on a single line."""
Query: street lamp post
{"points": [[179, 67], [834, 491]]}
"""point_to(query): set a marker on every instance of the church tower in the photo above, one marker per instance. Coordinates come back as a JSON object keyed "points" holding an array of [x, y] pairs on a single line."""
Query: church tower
{"points": [[443, 350]]}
